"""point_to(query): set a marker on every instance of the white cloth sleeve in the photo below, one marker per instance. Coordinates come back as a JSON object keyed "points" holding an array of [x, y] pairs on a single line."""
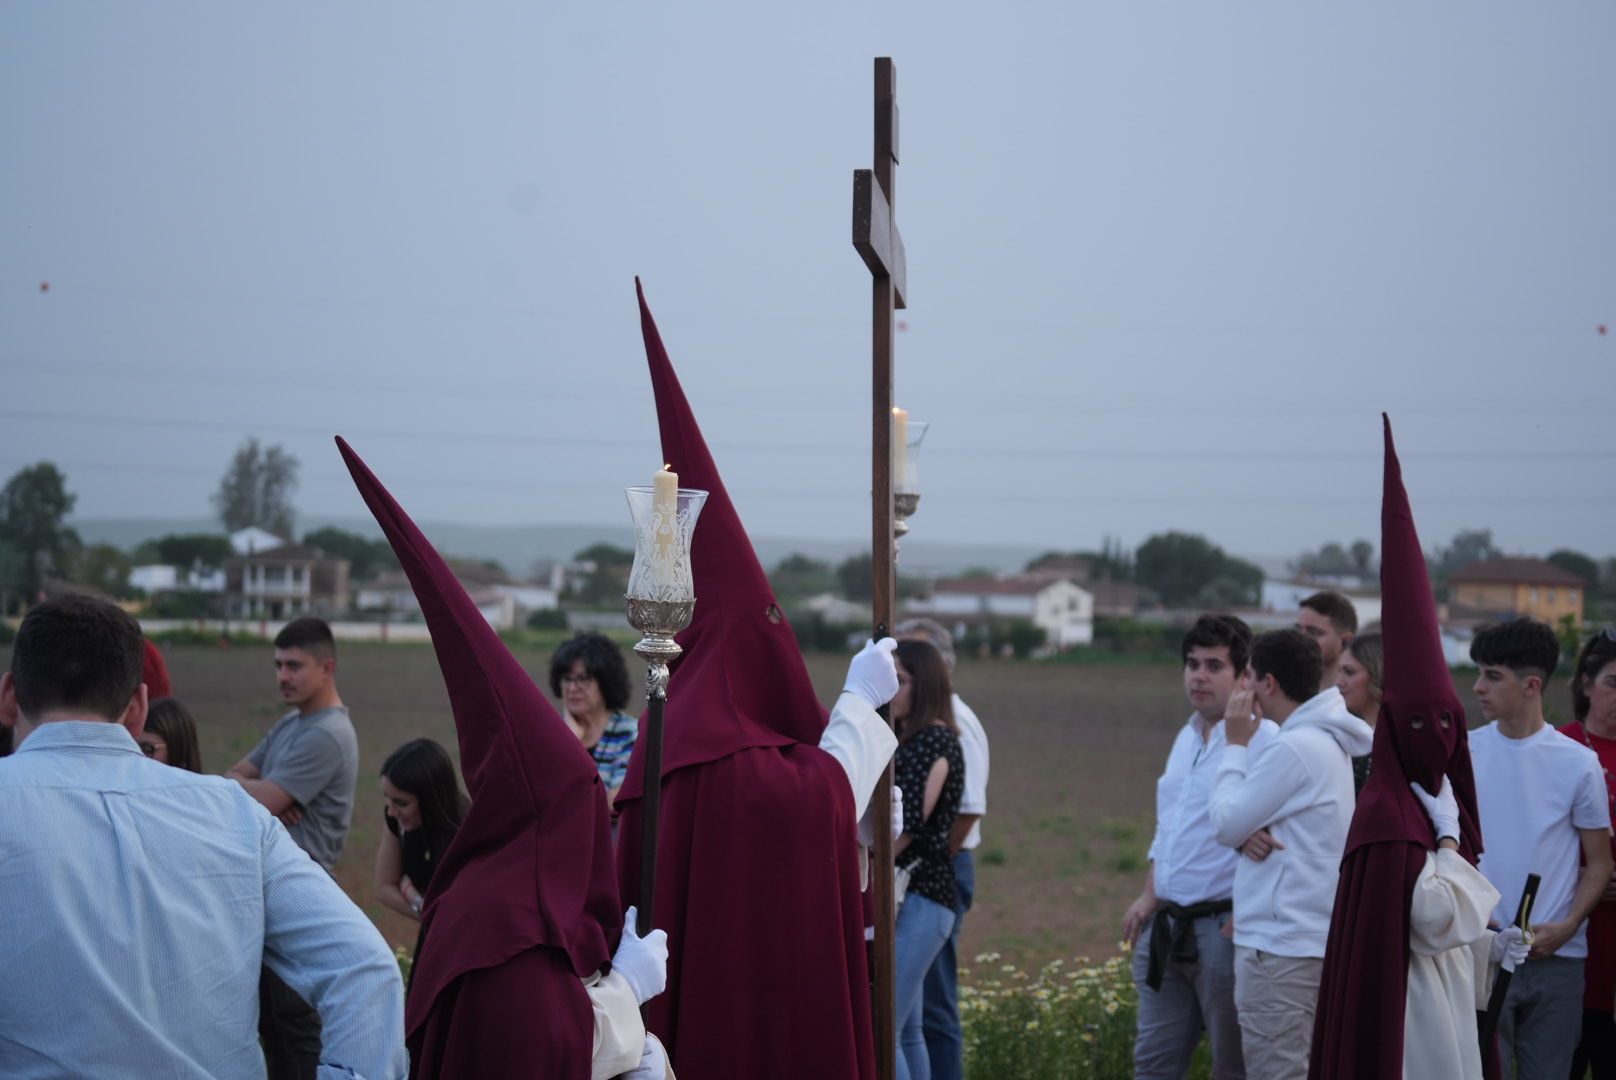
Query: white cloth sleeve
{"points": [[862, 743], [1450, 905], [1244, 801], [619, 1031]]}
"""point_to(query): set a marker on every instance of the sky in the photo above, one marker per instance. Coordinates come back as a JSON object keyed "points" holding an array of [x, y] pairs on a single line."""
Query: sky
{"points": [[1168, 261]]}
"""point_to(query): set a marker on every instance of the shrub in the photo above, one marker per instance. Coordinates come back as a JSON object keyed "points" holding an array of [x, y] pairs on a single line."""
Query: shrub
{"points": [[1059, 1024]]}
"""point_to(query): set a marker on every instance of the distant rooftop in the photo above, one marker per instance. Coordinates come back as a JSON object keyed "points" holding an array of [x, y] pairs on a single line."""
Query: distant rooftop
{"points": [[1516, 572]]}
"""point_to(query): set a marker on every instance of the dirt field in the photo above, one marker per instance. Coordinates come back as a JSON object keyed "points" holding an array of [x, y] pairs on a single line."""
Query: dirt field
{"points": [[1076, 751]]}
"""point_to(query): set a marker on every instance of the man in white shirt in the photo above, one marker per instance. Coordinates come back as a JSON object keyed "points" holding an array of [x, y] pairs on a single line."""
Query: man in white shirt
{"points": [[940, 1017], [1543, 802], [1299, 788], [1184, 970]]}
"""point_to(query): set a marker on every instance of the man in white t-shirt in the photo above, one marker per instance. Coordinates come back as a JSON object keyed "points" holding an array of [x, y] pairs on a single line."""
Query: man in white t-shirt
{"points": [[1184, 967], [940, 1014], [1299, 788], [1542, 802]]}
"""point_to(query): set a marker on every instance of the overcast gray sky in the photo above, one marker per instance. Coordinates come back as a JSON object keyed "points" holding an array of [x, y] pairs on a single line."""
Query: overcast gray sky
{"points": [[1168, 261]]}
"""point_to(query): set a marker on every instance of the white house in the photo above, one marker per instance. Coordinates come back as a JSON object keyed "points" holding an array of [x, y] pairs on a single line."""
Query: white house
{"points": [[253, 539], [1064, 611]]}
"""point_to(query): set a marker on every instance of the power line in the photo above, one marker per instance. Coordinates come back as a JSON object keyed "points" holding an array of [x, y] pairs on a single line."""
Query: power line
{"points": [[1099, 455]]}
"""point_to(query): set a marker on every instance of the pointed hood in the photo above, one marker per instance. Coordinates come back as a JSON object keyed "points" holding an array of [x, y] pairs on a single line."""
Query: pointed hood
{"points": [[741, 681], [1421, 734], [532, 862]]}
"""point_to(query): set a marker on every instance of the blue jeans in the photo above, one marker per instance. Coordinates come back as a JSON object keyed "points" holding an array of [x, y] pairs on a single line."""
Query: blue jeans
{"points": [[923, 929], [940, 1014]]}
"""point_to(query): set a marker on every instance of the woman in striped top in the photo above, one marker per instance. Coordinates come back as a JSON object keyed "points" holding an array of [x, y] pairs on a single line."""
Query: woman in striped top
{"points": [[589, 676]]}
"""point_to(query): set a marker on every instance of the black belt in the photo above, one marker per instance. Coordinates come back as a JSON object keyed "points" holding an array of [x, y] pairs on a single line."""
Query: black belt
{"points": [[1172, 935]]}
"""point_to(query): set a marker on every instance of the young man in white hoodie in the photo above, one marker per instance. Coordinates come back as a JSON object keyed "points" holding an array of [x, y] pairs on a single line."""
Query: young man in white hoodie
{"points": [[1298, 786]]}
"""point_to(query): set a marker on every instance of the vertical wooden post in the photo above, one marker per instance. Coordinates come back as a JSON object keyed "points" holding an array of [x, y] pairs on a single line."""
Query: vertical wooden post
{"points": [[876, 238]]}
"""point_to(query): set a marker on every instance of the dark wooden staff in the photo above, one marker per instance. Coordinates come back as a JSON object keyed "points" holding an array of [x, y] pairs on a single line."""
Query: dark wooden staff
{"points": [[1495, 1004]]}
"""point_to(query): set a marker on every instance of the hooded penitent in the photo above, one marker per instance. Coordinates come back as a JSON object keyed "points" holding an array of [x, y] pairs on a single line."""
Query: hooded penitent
{"points": [[524, 904], [1420, 736], [757, 871], [154, 672]]}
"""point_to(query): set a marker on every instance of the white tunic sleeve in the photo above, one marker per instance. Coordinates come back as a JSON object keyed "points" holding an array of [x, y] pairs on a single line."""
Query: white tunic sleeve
{"points": [[1450, 905], [1447, 968], [862, 742], [619, 1031]]}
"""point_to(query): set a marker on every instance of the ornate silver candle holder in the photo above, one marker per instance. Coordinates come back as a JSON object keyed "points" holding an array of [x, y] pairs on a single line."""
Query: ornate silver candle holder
{"points": [[661, 599]]}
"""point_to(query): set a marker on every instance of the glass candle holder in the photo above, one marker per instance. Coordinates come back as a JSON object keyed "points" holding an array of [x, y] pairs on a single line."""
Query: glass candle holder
{"points": [[906, 463], [663, 528]]}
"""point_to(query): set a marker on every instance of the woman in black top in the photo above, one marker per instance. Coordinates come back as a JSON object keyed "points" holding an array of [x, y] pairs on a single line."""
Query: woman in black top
{"points": [[423, 811], [930, 771]]}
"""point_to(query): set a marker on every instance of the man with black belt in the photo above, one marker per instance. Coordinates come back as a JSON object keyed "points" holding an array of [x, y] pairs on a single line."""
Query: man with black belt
{"points": [[1184, 970]]}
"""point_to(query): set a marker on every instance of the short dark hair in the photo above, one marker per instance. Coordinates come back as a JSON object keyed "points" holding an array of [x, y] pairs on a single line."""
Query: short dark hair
{"points": [[931, 697], [602, 659], [1597, 651], [1335, 607], [310, 634], [77, 653], [5, 741], [1292, 658], [171, 721], [1212, 631], [1524, 645]]}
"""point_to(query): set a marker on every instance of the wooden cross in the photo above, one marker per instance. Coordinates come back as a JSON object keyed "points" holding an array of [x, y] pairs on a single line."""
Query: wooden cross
{"points": [[875, 236]]}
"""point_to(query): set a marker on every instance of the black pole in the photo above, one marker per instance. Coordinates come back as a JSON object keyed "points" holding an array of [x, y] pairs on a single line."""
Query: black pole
{"points": [[1495, 1004], [650, 797]]}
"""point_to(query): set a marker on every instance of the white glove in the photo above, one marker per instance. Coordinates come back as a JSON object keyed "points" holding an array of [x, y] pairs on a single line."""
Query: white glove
{"points": [[873, 675], [1443, 808], [653, 1062], [897, 811], [1510, 946], [643, 962]]}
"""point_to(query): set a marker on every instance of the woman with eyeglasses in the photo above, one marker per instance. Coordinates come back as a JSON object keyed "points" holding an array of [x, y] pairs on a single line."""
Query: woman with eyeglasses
{"points": [[170, 735], [1593, 703], [590, 678]]}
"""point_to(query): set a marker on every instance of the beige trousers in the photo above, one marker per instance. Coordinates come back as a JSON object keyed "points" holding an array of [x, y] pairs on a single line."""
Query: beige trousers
{"points": [[1275, 997]]}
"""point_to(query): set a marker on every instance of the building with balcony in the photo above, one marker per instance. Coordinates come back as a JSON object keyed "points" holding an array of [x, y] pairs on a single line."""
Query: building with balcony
{"points": [[286, 581]]}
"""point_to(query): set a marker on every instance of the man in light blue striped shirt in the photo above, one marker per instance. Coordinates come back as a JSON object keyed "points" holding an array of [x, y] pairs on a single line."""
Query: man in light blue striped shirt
{"points": [[140, 901]]}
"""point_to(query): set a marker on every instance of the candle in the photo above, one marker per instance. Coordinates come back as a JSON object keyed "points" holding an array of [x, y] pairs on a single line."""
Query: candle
{"points": [[665, 521], [900, 449]]}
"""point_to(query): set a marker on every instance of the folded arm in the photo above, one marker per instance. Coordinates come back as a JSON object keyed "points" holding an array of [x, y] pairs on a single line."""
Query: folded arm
{"points": [[1245, 799]]}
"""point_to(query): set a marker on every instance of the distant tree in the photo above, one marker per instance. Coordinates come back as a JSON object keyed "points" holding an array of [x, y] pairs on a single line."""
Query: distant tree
{"points": [[1468, 546], [33, 508], [1576, 562], [1362, 552], [1331, 560], [607, 582], [547, 619], [189, 551], [366, 557], [797, 575], [1181, 567], [854, 575], [104, 567], [257, 489]]}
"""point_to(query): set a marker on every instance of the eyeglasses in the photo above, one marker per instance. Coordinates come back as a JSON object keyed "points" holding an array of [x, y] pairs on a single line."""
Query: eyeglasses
{"points": [[577, 680]]}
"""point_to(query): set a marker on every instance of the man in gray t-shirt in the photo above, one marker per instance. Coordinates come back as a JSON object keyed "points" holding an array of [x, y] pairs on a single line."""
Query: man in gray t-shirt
{"points": [[304, 772], [314, 758]]}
